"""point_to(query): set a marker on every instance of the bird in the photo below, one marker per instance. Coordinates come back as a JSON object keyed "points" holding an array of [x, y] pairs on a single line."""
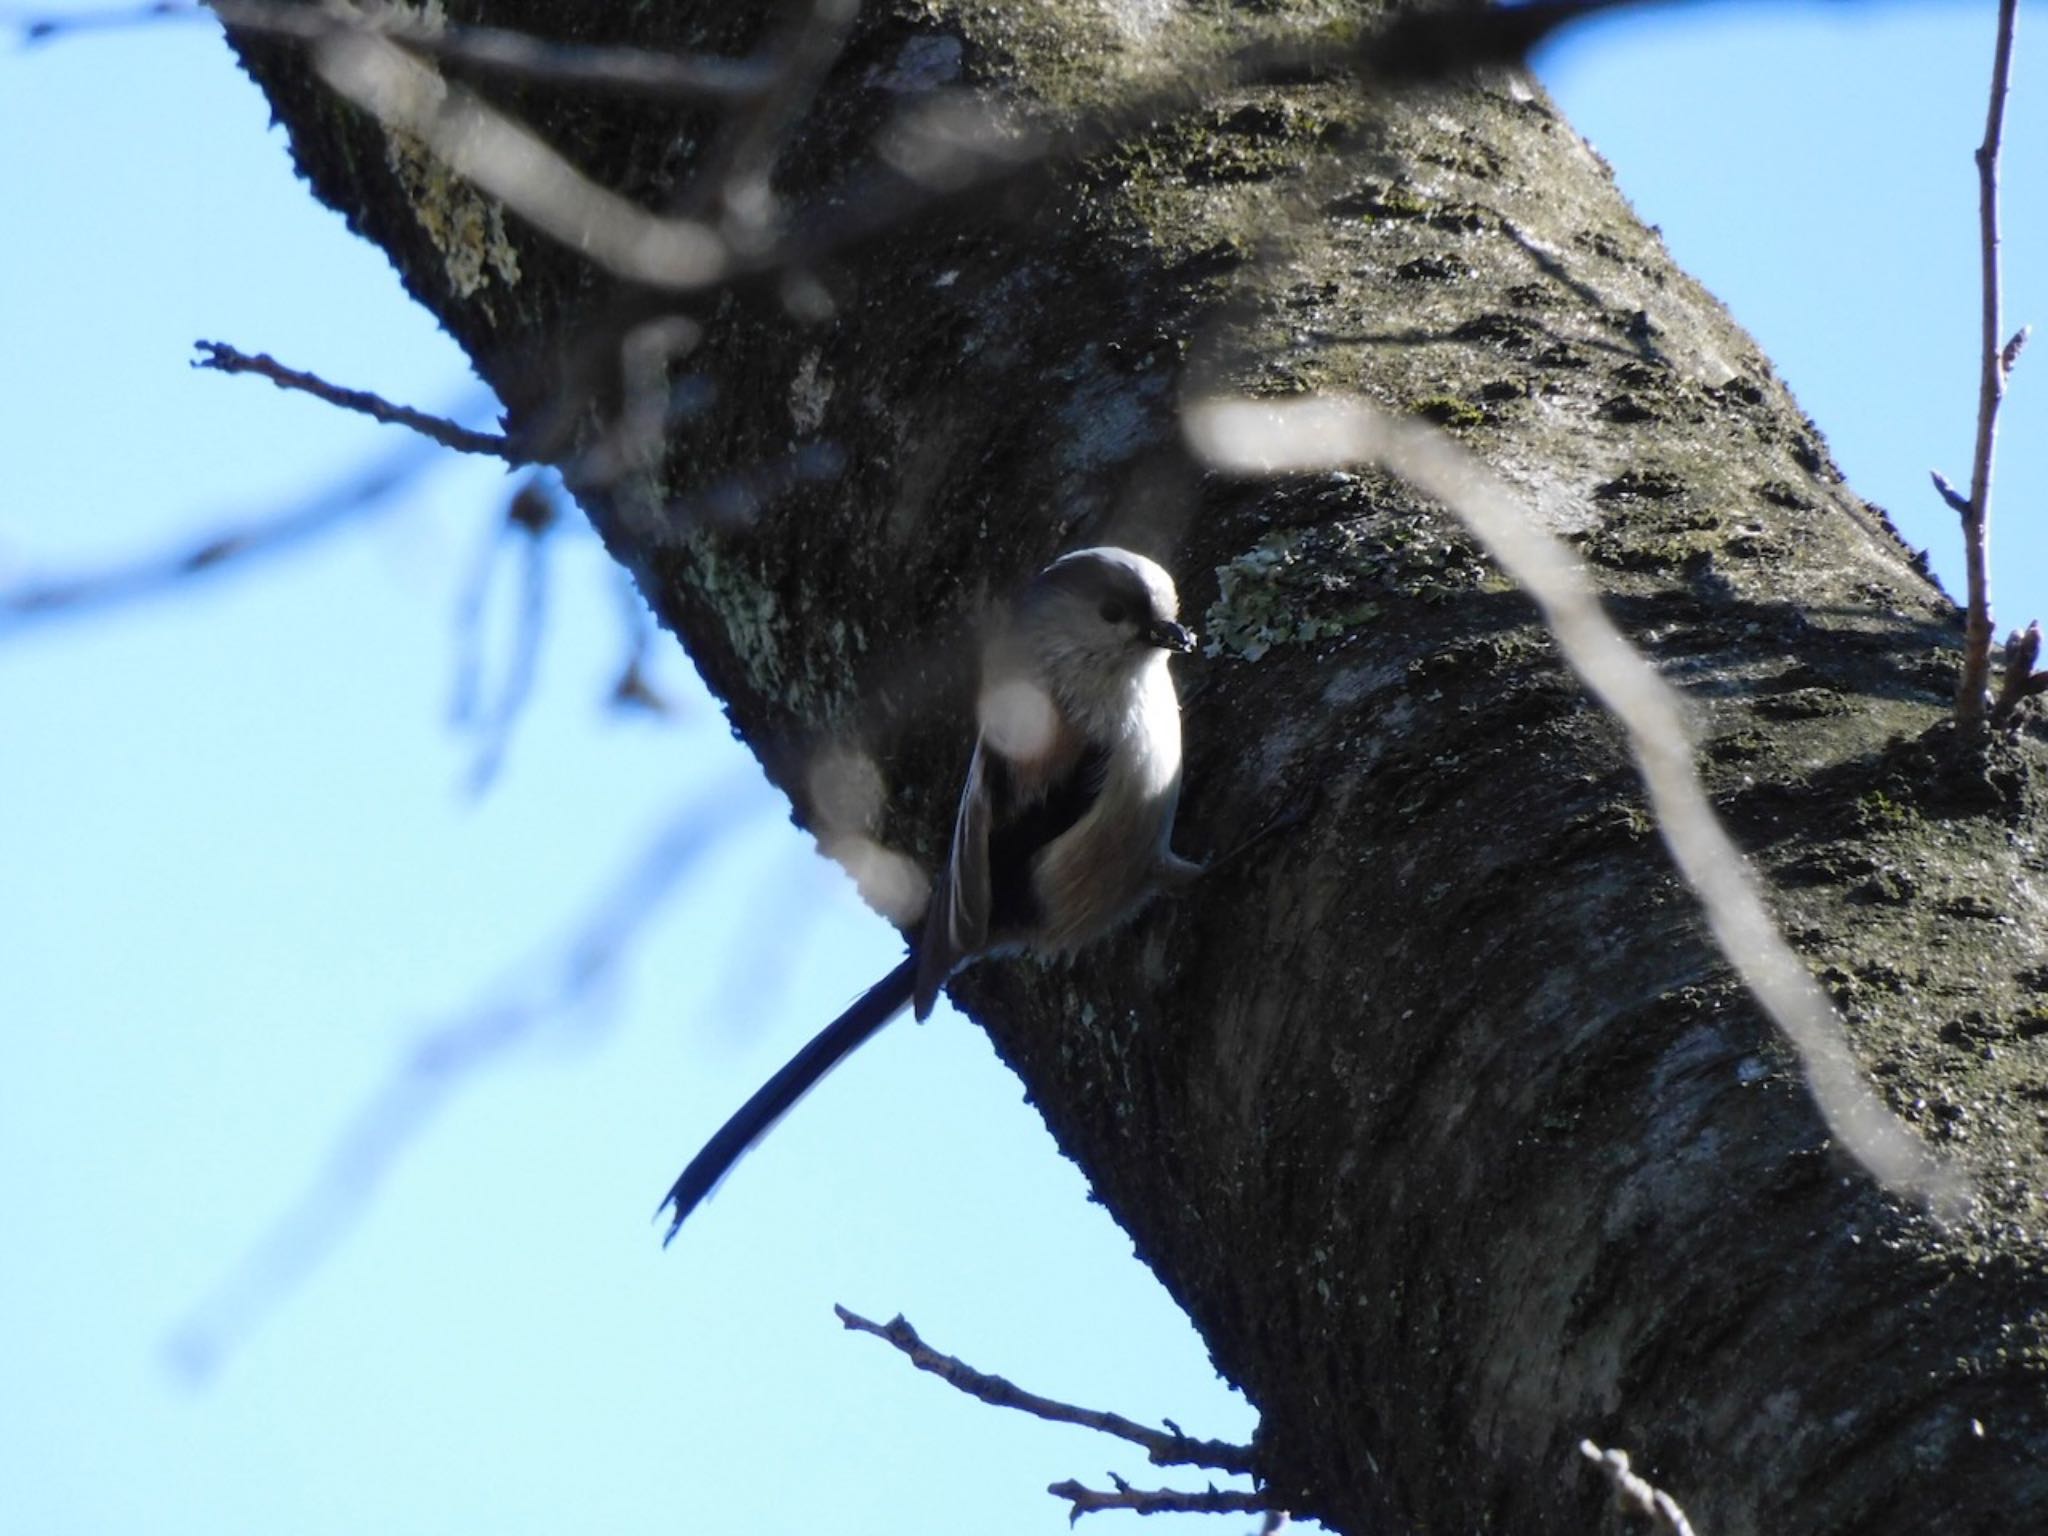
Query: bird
{"points": [[1065, 825]]}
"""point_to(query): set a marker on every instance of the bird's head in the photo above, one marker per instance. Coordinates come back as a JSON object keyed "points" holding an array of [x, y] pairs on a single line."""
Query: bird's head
{"points": [[1105, 607]]}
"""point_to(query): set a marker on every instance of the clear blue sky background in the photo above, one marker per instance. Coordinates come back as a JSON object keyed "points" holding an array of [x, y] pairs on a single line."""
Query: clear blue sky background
{"points": [[240, 878]]}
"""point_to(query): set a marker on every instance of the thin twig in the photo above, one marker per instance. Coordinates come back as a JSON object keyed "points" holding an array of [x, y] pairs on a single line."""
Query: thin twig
{"points": [[439, 1061], [1634, 1496], [1164, 1450], [733, 177], [505, 158], [1957, 501], [632, 443], [158, 573], [939, 154], [222, 358], [943, 158], [494, 50], [529, 518], [1156, 1501], [635, 689], [1992, 372]]}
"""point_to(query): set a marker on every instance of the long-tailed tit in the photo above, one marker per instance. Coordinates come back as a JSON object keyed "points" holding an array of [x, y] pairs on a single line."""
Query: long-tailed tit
{"points": [[1065, 822]]}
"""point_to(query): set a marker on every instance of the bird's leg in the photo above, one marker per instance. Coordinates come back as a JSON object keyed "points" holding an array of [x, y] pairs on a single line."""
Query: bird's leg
{"points": [[1289, 816]]}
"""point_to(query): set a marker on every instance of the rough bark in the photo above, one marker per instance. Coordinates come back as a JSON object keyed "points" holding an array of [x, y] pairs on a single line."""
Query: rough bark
{"points": [[1438, 1114]]}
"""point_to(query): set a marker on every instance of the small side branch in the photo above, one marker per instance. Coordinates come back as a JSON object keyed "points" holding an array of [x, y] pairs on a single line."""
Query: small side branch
{"points": [[1156, 1501], [1999, 355], [2021, 681], [156, 573], [1163, 1448], [530, 517], [222, 358], [1634, 1496]]}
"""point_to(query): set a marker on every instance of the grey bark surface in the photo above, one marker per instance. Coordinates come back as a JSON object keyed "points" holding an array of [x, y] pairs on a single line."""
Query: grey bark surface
{"points": [[1438, 1113]]}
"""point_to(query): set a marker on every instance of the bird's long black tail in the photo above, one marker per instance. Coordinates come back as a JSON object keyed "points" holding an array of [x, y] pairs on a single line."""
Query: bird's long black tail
{"points": [[866, 1014]]}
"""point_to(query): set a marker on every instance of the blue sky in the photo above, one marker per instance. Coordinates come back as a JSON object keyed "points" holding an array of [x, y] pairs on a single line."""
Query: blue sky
{"points": [[240, 876]]}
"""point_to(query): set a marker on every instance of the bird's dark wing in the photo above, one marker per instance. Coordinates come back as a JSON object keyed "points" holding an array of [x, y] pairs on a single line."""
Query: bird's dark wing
{"points": [[956, 926], [1023, 824], [985, 897], [866, 1014]]}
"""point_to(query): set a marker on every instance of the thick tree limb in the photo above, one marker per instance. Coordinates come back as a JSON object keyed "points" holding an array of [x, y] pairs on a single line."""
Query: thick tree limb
{"points": [[1444, 1121]]}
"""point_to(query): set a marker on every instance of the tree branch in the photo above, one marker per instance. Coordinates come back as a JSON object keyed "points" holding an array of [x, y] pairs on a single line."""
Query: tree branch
{"points": [[1633, 1495], [1998, 356], [222, 358], [530, 517], [1163, 1449], [157, 572], [441, 1059], [1156, 1501]]}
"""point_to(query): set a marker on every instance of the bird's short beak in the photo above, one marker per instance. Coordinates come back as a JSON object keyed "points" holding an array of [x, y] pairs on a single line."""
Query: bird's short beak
{"points": [[1169, 636]]}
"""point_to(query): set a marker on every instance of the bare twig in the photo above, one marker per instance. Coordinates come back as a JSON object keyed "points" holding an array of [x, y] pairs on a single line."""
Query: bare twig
{"points": [[1164, 1450], [439, 1061], [158, 573], [519, 55], [634, 690], [1252, 437], [1634, 1496], [941, 152], [734, 176], [1156, 1501], [529, 518], [631, 444], [222, 358], [937, 155], [1957, 501], [375, 59], [509, 161], [1998, 356]]}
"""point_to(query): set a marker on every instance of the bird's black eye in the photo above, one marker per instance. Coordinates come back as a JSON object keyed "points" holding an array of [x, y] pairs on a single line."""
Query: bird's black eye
{"points": [[1113, 612]]}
